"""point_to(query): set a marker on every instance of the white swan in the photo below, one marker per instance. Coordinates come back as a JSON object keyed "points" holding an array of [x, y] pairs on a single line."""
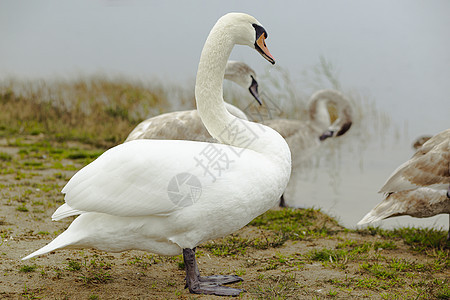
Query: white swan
{"points": [[304, 137], [187, 125], [168, 196], [420, 187]]}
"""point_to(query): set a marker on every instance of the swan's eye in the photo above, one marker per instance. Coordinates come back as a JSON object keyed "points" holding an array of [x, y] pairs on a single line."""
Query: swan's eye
{"points": [[260, 43], [260, 31]]}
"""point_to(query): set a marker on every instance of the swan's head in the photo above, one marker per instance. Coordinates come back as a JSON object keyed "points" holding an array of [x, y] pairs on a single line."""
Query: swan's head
{"points": [[320, 103], [246, 30], [336, 130], [240, 73], [341, 125]]}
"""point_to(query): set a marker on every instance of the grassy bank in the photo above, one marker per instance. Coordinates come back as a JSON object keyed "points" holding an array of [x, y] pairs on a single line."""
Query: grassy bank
{"points": [[96, 111]]}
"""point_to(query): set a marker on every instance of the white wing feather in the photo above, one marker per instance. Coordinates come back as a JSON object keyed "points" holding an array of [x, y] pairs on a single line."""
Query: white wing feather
{"points": [[129, 171], [135, 171], [65, 211]]}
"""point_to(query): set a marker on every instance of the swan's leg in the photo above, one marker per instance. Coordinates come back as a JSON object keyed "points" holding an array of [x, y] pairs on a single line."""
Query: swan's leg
{"points": [[209, 285], [218, 279], [448, 235], [282, 202]]}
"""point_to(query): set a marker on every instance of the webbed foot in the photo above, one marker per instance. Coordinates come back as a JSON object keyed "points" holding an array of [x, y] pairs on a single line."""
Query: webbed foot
{"points": [[208, 285], [210, 288], [221, 279]]}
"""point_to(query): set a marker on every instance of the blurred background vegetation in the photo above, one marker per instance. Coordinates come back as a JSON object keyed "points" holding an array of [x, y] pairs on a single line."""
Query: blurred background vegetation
{"points": [[102, 110], [96, 110]]}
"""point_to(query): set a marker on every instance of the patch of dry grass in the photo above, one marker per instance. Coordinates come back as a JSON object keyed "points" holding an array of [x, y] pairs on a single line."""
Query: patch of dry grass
{"points": [[96, 110]]}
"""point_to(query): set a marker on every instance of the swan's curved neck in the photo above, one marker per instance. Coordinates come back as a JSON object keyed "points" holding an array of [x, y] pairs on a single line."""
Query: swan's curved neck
{"points": [[318, 113], [209, 97], [209, 81]]}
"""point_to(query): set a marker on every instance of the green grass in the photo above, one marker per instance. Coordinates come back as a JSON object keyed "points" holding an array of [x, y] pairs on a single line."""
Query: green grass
{"points": [[379, 271], [443, 291], [144, 261], [277, 226], [91, 270], [73, 265], [22, 208], [228, 246], [386, 245], [91, 155], [5, 156], [98, 111], [27, 269], [324, 255], [276, 287], [296, 224], [419, 239]]}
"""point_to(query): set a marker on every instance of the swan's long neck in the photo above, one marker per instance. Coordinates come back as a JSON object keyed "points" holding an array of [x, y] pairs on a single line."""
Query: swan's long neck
{"points": [[218, 121], [318, 113], [209, 82]]}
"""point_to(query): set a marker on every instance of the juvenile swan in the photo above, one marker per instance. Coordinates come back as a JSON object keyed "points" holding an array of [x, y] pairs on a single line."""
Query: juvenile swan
{"points": [[187, 125], [168, 196], [304, 137], [420, 187]]}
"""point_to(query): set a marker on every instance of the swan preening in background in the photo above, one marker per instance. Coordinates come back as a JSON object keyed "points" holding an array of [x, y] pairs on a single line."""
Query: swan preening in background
{"points": [[187, 125], [304, 137], [420, 187], [134, 195]]}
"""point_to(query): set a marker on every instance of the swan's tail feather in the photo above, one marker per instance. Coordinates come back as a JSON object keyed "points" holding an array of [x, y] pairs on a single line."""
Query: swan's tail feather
{"points": [[370, 218], [65, 211], [71, 238], [387, 208], [59, 242]]}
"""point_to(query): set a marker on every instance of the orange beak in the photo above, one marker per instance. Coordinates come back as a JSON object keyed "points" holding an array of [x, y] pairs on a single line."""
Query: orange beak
{"points": [[262, 48]]}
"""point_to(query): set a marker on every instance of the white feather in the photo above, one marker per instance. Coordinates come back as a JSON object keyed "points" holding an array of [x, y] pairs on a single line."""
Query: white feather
{"points": [[65, 211]]}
